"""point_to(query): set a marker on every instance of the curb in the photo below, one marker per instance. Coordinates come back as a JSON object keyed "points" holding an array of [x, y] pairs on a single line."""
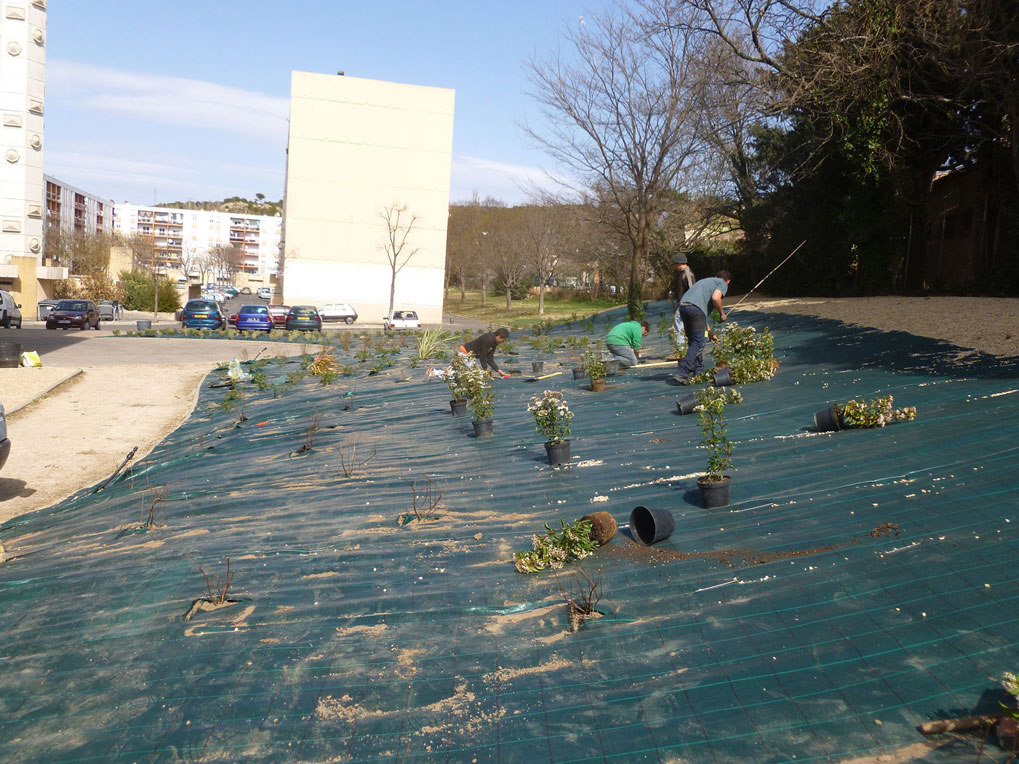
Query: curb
{"points": [[47, 391]]}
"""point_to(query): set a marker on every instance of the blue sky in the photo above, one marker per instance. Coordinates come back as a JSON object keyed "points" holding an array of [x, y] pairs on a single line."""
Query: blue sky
{"points": [[189, 99]]}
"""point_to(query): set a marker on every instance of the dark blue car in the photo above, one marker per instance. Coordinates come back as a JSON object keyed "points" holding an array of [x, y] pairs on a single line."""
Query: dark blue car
{"points": [[201, 314], [254, 317]]}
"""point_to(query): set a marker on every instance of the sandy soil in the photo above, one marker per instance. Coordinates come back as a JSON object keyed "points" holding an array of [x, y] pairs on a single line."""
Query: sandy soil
{"points": [[19, 387], [990, 324], [78, 434]]}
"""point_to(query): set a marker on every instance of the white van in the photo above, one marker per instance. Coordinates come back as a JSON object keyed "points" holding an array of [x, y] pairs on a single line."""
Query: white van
{"points": [[10, 311]]}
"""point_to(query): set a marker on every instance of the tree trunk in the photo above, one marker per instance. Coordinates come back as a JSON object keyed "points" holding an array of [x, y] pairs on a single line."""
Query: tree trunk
{"points": [[392, 291], [541, 298], [509, 298], [484, 289], [463, 287], [155, 295]]}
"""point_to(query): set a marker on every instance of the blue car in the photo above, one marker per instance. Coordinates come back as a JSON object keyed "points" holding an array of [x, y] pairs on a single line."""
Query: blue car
{"points": [[254, 317], [201, 314]]}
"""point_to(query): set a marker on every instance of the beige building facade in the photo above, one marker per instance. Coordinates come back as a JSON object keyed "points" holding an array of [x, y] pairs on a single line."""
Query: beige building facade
{"points": [[357, 147]]}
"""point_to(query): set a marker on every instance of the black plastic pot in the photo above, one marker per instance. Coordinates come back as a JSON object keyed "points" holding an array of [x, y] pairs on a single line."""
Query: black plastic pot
{"points": [[686, 404], [483, 428], [10, 355], [721, 377], [611, 367], [827, 419], [459, 408], [649, 525], [579, 373], [537, 366], [558, 453], [714, 494]]}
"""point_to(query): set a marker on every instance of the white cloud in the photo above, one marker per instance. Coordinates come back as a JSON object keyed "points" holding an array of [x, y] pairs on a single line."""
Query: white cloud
{"points": [[170, 100], [507, 182]]}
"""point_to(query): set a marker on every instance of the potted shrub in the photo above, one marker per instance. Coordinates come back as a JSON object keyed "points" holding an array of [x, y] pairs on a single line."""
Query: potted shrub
{"points": [[478, 384], [876, 412], [714, 485], [552, 419], [456, 381], [595, 371]]}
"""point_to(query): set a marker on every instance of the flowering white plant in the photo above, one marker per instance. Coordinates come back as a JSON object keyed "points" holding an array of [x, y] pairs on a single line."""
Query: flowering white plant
{"points": [[552, 416], [874, 413]]}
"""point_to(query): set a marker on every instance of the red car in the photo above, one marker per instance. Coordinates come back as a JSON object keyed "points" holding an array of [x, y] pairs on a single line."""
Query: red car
{"points": [[279, 314], [80, 314]]}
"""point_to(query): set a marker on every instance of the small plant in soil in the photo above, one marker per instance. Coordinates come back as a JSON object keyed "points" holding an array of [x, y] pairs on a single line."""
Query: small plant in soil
{"points": [[363, 355], [710, 410], [345, 341], [349, 461], [594, 366], [876, 412], [424, 501], [313, 426], [480, 393], [295, 376], [214, 599], [556, 547], [582, 598], [348, 370], [665, 322], [552, 417], [154, 508], [679, 345]]}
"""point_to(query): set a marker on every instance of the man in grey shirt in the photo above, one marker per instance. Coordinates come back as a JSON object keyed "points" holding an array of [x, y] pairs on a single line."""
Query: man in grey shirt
{"points": [[694, 307]]}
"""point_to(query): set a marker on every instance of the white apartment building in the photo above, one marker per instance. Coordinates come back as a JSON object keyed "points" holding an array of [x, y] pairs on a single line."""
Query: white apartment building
{"points": [[23, 270], [186, 234]]}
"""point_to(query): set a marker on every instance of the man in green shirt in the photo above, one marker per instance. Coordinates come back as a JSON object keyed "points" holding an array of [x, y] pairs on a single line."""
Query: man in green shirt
{"points": [[624, 342]]}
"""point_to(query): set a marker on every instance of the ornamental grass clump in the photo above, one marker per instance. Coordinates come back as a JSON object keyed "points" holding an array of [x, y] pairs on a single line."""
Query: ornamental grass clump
{"points": [[324, 363], [552, 417], [557, 547], [430, 342], [876, 412], [711, 402]]}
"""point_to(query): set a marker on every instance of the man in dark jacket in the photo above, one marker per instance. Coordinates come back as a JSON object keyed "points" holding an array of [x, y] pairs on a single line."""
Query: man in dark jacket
{"points": [[483, 348], [682, 280]]}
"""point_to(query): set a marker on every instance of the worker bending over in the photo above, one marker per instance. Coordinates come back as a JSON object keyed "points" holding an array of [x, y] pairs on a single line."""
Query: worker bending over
{"points": [[483, 348], [624, 342], [694, 307]]}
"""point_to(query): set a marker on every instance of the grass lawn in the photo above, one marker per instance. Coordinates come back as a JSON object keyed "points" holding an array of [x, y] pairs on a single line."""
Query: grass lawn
{"points": [[523, 312]]}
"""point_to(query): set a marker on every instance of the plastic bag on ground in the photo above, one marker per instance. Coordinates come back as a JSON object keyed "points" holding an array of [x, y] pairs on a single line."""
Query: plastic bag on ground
{"points": [[31, 358]]}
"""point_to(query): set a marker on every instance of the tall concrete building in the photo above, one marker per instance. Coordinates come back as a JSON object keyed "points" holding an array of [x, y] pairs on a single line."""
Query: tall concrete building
{"points": [[73, 211], [356, 148], [23, 270]]}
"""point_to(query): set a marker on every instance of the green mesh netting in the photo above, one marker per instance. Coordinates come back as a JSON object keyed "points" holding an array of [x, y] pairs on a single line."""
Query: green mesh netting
{"points": [[782, 627]]}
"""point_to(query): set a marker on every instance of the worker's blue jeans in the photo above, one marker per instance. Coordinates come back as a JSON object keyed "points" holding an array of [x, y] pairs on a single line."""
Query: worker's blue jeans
{"points": [[695, 323]]}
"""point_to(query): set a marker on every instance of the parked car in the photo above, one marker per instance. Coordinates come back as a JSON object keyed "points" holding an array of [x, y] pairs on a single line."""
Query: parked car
{"points": [[74, 313], [5, 443], [201, 314], [304, 317], [231, 291], [265, 293], [401, 319], [10, 311], [254, 317], [279, 314], [45, 307], [246, 290], [107, 310], [338, 311]]}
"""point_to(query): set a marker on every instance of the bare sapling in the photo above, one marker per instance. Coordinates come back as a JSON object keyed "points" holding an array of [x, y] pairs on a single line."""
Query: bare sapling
{"points": [[349, 462], [154, 507], [217, 592], [582, 598], [424, 501]]}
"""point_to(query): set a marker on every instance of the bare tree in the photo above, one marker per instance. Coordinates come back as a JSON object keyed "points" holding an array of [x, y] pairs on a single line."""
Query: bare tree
{"points": [[619, 113], [227, 259], [399, 225], [541, 243], [508, 254]]}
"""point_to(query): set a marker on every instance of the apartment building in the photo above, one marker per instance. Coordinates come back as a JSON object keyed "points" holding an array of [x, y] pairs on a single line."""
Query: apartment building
{"points": [[179, 236], [23, 270], [357, 147], [74, 211]]}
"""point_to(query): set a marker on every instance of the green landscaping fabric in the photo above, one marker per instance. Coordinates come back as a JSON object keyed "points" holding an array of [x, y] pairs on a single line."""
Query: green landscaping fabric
{"points": [[860, 582]]}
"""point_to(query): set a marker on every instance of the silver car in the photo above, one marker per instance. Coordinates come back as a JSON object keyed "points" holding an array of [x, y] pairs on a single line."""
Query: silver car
{"points": [[107, 312], [5, 443]]}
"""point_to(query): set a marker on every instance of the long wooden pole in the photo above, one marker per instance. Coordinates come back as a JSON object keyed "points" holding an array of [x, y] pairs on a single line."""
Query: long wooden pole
{"points": [[766, 277]]}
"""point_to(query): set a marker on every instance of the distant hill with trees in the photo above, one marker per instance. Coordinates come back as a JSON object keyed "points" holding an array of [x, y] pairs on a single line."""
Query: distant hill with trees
{"points": [[235, 204]]}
